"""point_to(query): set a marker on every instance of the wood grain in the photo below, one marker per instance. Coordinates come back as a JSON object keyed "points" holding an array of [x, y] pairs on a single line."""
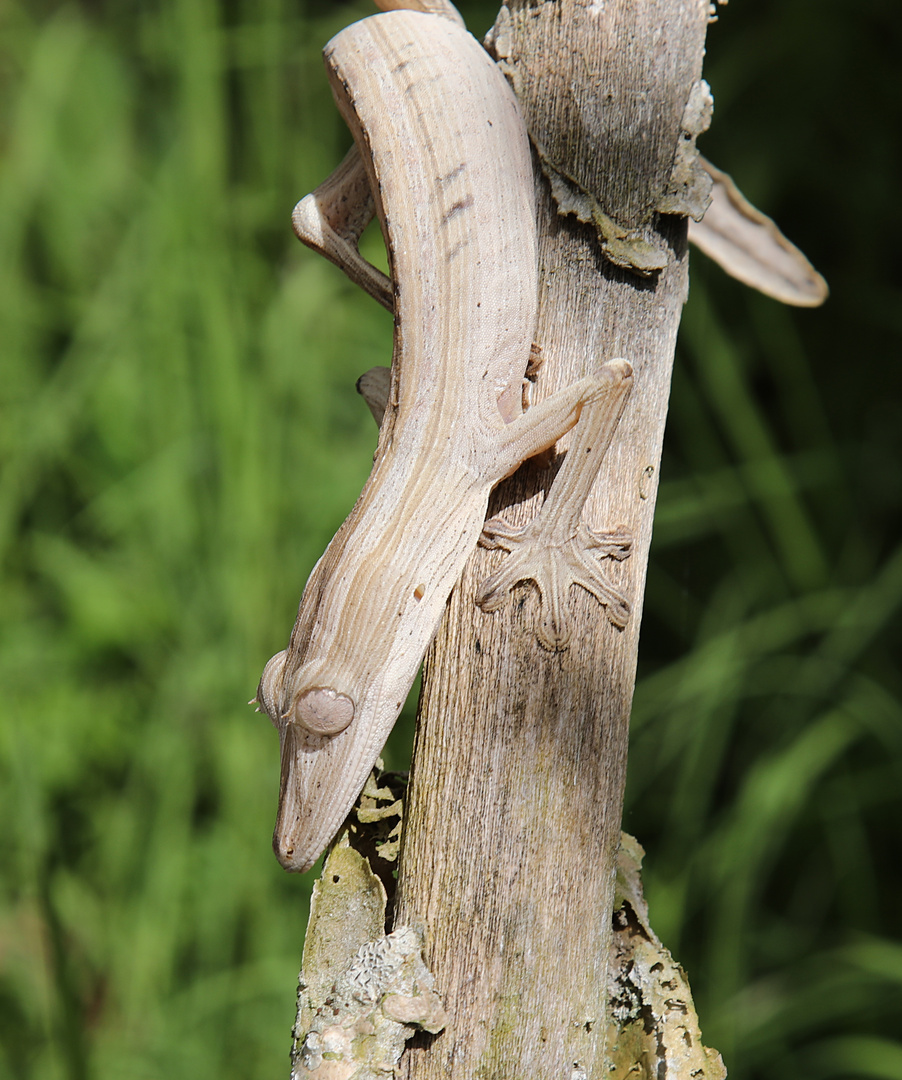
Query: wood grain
{"points": [[519, 765]]}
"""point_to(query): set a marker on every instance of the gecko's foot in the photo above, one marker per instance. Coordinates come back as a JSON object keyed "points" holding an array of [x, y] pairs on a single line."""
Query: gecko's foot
{"points": [[554, 564]]}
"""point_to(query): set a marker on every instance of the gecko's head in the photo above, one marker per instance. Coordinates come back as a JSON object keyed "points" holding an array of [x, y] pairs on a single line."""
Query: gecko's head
{"points": [[317, 709]]}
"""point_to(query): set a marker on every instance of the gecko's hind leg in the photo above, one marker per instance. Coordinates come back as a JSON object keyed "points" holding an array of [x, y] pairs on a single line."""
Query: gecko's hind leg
{"points": [[557, 549], [332, 218]]}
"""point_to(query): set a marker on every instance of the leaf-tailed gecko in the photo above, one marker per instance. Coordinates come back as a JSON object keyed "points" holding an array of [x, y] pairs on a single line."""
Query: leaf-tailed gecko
{"points": [[442, 157], [442, 150]]}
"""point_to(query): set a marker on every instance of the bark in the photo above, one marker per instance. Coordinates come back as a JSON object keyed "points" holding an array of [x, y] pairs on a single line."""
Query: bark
{"points": [[513, 819]]}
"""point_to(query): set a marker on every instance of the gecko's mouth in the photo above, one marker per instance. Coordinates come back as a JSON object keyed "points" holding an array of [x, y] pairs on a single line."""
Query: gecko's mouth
{"points": [[323, 711]]}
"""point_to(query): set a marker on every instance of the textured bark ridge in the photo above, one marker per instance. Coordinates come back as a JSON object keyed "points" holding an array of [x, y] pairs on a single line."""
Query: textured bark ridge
{"points": [[614, 118]]}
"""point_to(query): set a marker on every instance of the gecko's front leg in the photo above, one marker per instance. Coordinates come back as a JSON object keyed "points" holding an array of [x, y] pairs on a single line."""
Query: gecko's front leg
{"points": [[557, 549], [332, 218]]}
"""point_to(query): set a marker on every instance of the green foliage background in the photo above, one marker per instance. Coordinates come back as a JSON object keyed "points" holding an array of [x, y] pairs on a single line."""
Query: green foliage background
{"points": [[179, 438]]}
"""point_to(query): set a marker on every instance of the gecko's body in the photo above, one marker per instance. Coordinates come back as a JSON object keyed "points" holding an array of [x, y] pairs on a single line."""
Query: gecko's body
{"points": [[448, 161], [442, 156]]}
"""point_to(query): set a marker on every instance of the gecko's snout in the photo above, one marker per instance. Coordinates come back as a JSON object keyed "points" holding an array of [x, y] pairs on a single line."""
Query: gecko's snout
{"points": [[323, 711]]}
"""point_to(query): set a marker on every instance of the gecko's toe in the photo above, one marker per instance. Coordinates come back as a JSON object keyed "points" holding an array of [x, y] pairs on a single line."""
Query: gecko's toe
{"points": [[323, 711]]}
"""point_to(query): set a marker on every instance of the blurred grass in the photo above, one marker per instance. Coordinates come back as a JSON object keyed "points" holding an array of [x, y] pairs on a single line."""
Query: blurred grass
{"points": [[180, 438]]}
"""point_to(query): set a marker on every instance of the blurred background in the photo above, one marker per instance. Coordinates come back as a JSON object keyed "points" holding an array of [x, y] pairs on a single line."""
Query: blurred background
{"points": [[180, 437]]}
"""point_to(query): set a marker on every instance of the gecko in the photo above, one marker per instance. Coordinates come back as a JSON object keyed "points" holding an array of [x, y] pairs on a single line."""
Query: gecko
{"points": [[442, 157]]}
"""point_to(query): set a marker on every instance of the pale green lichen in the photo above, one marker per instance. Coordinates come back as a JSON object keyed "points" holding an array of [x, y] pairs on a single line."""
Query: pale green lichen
{"points": [[630, 248], [384, 994], [380, 812], [689, 190], [361, 992], [652, 1024]]}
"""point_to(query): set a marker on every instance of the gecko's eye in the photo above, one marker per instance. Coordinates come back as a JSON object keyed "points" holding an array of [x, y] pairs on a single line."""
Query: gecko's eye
{"points": [[323, 711], [270, 689]]}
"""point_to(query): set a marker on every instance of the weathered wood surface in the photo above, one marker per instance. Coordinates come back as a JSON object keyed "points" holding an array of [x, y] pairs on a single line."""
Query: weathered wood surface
{"points": [[517, 783]]}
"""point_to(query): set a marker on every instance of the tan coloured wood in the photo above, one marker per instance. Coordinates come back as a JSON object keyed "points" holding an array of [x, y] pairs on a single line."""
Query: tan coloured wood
{"points": [[514, 810]]}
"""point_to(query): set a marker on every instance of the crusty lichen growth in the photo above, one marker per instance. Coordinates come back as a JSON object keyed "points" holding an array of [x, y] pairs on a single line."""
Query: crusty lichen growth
{"points": [[361, 993], [653, 1028], [374, 1007], [687, 192], [376, 820], [347, 909]]}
